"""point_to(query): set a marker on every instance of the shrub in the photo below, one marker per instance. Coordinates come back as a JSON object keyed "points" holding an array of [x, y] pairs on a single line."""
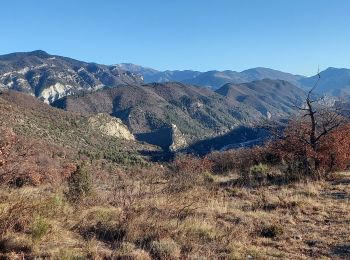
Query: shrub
{"points": [[15, 244], [332, 152], [104, 224], [259, 172], [188, 172], [238, 161], [79, 184], [259, 169], [208, 177], [126, 248], [192, 165], [40, 227], [165, 249], [272, 231]]}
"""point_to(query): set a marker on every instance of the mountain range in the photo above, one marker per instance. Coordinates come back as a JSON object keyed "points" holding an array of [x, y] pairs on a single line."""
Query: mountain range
{"points": [[49, 77], [213, 79], [332, 81], [152, 111], [170, 109]]}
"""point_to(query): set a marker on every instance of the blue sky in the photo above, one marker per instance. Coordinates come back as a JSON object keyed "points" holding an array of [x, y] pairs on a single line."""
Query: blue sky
{"points": [[289, 35]]}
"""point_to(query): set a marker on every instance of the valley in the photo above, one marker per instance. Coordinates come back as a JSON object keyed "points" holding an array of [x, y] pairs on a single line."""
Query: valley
{"points": [[123, 168]]}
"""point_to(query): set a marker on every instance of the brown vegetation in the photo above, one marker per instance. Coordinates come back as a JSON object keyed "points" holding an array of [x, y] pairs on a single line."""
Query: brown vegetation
{"points": [[181, 212], [29, 161]]}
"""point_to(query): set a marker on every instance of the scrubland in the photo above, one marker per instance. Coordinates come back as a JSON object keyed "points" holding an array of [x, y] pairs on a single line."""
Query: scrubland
{"points": [[184, 210]]}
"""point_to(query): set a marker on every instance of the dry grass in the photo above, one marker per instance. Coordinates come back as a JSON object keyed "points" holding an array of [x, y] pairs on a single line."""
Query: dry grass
{"points": [[153, 215]]}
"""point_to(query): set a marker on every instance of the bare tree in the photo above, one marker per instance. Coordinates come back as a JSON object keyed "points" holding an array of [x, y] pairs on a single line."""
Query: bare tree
{"points": [[319, 118]]}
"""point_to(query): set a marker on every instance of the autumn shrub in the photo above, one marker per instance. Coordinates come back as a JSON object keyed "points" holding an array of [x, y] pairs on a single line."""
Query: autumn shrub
{"points": [[239, 161], [334, 151], [290, 154], [26, 161], [188, 171], [300, 160], [192, 165]]}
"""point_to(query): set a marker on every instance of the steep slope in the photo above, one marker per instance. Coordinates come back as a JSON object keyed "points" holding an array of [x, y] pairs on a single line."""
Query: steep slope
{"points": [[333, 81], [151, 111], [272, 98], [50, 77], [35, 120]]}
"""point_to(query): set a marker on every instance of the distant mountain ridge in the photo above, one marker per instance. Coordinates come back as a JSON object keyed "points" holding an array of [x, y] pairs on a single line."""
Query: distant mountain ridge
{"points": [[332, 81], [49, 77], [213, 79]]}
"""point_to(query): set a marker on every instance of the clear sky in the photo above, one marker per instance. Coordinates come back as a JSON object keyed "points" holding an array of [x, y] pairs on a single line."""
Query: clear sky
{"points": [[289, 35]]}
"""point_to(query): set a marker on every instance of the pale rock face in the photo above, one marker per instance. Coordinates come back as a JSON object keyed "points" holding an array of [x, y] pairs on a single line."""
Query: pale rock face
{"points": [[54, 92], [10, 84], [178, 139], [52, 77], [268, 115], [198, 105], [23, 71], [110, 126]]}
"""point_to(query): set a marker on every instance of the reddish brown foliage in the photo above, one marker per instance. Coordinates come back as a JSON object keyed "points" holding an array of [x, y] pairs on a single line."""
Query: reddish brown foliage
{"points": [[292, 154], [28, 161], [332, 153], [237, 160], [192, 165]]}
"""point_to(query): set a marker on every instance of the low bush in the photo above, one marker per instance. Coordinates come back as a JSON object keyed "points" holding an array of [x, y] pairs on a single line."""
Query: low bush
{"points": [[40, 228], [272, 231], [259, 169], [165, 249], [79, 184]]}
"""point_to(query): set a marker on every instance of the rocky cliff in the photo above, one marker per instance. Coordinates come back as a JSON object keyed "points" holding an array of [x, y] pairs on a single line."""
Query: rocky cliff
{"points": [[110, 126]]}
